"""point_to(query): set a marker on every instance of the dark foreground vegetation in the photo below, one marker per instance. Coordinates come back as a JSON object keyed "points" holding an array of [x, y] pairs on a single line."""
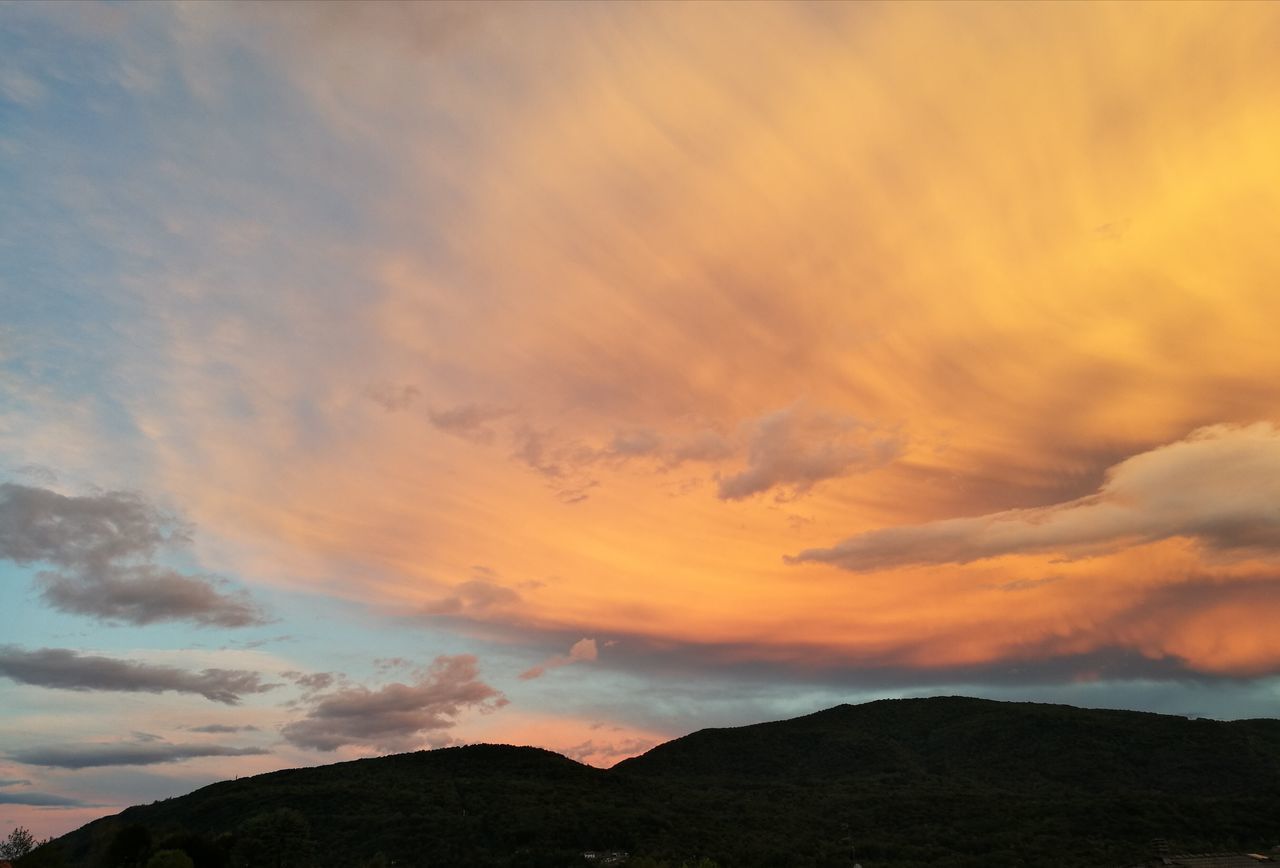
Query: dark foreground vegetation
{"points": [[928, 782]]}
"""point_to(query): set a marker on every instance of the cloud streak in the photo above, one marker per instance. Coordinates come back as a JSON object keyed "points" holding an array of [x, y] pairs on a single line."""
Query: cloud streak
{"points": [[63, 669], [40, 800], [222, 728], [1219, 487], [125, 754]]}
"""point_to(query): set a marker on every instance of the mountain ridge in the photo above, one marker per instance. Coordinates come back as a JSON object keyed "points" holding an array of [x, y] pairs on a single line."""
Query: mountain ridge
{"points": [[938, 781]]}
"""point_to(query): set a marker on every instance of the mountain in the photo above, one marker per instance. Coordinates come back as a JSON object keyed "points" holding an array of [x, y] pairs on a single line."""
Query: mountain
{"points": [[947, 781]]}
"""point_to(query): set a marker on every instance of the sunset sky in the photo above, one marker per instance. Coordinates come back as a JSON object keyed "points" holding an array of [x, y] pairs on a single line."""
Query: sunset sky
{"points": [[378, 377]]}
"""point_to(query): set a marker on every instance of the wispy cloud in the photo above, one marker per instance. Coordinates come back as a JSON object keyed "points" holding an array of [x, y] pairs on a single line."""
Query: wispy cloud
{"points": [[794, 449], [582, 651], [468, 421]]}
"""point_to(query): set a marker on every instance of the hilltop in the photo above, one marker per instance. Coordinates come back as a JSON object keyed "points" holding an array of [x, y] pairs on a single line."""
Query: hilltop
{"points": [[946, 781]]}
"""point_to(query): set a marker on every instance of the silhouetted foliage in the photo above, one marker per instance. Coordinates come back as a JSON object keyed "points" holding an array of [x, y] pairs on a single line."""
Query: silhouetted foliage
{"points": [[18, 843], [170, 859], [47, 854], [276, 839], [129, 848], [940, 782]]}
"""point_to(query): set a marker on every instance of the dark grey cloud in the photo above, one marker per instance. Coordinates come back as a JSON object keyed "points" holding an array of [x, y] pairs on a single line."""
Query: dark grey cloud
{"points": [[147, 594], [222, 728], [1219, 486], [83, 756], [64, 669], [397, 716], [89, 532], [40, 800], [102, 548], [1044, 663], [312, 682], [795, 448]]}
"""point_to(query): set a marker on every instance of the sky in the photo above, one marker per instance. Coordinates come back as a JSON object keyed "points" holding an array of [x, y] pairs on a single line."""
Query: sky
{"points": [[379, 377]]}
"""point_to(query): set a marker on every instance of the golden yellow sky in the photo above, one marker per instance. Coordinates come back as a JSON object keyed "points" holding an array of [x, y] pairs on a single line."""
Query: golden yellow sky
{"points": [[670, 292]]}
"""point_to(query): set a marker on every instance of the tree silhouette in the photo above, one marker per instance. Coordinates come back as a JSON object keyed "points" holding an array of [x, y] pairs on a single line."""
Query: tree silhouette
{"points": [[170, 859], [277, 839], [17, 844], [129, 848]]}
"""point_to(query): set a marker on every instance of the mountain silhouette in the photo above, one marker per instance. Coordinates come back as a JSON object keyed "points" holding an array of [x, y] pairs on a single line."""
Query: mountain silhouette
{"points": [[945, 781]]}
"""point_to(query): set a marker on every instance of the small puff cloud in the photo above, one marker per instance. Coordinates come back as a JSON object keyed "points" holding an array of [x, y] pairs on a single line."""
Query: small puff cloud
{"points": [[102, 546], [795, 448], [584, 650], [397, 716], [391, 397], [472, 597], [63, 669], [1219, 486]]}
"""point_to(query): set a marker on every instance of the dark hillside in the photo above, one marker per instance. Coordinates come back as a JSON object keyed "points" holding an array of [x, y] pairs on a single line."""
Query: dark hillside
{"points": [[453, 805], [980, 741], [937, 782]]}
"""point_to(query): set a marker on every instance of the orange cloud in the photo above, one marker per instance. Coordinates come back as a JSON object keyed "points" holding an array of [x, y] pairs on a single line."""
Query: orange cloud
{"points": [[929, 273], [592, 741], [582, 651]]}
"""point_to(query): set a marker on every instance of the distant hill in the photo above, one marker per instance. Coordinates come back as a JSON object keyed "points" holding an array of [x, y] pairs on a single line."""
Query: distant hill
{"points": [[946, 781]]}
